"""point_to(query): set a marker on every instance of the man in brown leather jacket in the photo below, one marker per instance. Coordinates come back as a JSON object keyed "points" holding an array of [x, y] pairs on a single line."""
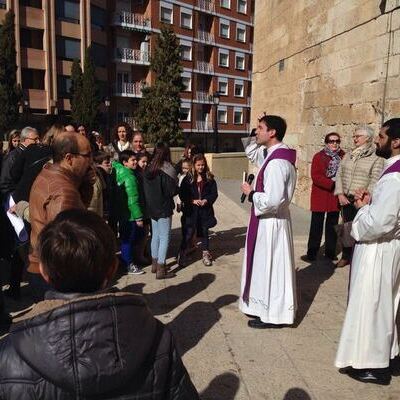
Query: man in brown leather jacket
{"points": [[65, 184]]}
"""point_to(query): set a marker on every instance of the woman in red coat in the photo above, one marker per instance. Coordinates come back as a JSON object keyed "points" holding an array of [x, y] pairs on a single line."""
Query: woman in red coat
{"points": [[323, 171]]}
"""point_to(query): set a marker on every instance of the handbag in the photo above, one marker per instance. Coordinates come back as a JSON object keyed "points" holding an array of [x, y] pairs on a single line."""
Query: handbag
{"points": [[343, 232]]}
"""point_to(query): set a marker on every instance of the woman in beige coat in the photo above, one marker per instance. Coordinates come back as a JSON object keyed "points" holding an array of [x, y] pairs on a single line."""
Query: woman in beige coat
{"points": [[359, 169]]}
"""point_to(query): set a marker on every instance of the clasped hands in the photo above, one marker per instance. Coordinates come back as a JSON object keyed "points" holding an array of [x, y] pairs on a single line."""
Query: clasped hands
{"points": [[200, 203], [361, 198]]}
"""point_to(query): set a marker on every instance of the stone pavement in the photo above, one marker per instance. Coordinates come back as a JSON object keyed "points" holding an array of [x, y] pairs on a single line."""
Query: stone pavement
{"points": [[225, 358]]}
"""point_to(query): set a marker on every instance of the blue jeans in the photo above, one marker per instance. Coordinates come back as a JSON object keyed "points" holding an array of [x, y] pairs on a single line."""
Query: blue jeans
{"points": [[130, 234], [161, 230]]}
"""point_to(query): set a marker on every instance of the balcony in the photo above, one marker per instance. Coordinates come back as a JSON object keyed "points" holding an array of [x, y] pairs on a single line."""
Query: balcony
{"points": [[206, 5], [205, 37], [132, 56], [131, 122], [129, 89], [204, 97], [205, 67], [204, 126], [132, 21]]}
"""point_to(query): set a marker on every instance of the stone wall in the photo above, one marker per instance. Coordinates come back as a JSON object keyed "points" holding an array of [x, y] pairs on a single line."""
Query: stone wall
{"points": [[325, 65]]}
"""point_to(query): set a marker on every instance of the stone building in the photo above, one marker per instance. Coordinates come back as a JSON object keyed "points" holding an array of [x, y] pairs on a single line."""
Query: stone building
{"points": [[325, 65]]}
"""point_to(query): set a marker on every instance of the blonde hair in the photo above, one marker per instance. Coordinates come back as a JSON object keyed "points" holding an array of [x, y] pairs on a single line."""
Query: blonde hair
{"points": [[50, 135]]}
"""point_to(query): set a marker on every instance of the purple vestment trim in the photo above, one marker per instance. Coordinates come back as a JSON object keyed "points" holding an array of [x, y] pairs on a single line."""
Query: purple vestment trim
{"points": [[279, 154], [395, 167]]}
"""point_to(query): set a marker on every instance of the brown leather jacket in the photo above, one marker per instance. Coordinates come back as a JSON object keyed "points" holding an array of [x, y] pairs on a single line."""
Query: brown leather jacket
{"points": [[54, 190]]}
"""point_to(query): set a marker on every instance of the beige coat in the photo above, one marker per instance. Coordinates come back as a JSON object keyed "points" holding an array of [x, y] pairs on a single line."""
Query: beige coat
{"points": [[361, 173], [96, 204]]}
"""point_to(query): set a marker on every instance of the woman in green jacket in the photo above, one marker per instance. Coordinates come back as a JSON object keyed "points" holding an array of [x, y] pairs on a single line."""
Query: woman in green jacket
{"points": [[128, 205]]}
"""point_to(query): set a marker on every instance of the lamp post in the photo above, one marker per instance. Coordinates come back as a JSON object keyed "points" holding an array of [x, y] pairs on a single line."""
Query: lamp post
{"points": [[25, 108], [107, 103], [215, 124]]}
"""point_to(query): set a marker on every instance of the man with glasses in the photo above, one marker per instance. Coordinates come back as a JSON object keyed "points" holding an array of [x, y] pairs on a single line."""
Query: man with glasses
{"points": [[65, 184]]}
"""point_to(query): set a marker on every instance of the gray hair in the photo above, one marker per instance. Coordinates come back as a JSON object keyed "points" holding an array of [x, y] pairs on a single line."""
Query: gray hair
{"points": [[25, 132], [369, 131]]}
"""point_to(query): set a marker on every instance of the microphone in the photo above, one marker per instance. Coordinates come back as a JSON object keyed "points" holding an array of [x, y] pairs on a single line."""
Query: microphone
{"points": [[250, 180]]}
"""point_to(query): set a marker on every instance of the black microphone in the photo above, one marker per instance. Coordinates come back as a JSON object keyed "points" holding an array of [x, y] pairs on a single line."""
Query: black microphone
{"points": [[249, 180]]}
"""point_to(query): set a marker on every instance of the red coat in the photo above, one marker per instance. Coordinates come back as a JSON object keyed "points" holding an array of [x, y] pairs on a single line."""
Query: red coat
{"points": [[322, 197]]}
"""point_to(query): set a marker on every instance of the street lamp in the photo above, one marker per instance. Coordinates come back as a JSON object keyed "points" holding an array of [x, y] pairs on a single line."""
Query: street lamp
{"points": [[107, 103], [215, 124]]}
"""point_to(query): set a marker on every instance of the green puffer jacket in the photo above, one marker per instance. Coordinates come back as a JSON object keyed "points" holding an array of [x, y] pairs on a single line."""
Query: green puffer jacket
{"points": [[126, 178]]}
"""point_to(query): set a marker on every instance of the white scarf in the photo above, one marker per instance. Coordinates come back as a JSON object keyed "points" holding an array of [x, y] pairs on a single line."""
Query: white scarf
{"points": [[122, 146]]}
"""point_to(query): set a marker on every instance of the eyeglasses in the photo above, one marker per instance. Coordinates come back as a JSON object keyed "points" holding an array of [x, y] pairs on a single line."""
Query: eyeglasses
{"points": [[358, 136], [85, 155], [332, 141], [35, 139]]}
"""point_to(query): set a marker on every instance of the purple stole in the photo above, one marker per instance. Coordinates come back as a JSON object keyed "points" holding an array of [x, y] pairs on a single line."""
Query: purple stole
{"points": [[279, 154], [395, 167]]}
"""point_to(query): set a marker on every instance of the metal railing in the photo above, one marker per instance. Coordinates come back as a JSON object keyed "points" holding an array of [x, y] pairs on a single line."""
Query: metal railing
{"points": [[206, 37], [206, 5], [204, 97], [131, 122], [205, 126], [132, 21], [132, 56], [129, 89], [205, 67]]}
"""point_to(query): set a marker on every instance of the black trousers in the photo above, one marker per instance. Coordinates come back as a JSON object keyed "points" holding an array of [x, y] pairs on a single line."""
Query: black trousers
{"points": [[349, 212], [316, 228]]}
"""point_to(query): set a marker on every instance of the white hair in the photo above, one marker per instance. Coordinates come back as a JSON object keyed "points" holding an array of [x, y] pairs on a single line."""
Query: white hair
{"points": [[25, 132], [369, 131]]}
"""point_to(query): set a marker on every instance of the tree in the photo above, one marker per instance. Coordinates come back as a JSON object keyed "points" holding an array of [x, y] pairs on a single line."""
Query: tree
{"points": [[76, 90], [158, 111], [10, 92], [85, 99]]}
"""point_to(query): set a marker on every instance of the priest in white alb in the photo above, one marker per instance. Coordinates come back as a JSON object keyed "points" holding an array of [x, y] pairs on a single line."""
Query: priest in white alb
{"points": [[268, 288], [369, 341]]}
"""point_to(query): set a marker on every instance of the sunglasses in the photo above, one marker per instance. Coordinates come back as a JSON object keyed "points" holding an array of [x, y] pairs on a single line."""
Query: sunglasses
{"points": [[332, 141]]}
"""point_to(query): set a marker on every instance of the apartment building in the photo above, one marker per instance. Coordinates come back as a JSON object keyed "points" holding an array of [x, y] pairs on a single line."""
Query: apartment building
{"points": [[216, 47]]}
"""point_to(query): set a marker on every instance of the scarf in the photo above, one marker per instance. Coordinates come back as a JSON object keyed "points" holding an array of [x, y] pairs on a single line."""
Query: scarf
{"points": [[362, 151], [333, 163], [122, 146]]}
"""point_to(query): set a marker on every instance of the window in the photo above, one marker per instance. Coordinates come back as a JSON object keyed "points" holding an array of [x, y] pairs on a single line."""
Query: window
{"points": [[238, 116], [240, 61], [222, 115], [68, 49], [240, 33], [186, 18], [184, 114], [32, 38], [239, 88], [32, 78], [99, 54], [186, 50], [242, 6], [166, 13], [64, 85], [224, 28], [98, 17], [3, 4], [223, 58], [68, 10], [187, 81], [223, 86], [225, 3], [27, 3]]}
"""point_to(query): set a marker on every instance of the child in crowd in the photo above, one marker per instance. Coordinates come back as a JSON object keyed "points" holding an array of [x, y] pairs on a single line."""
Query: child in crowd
{"points": [[103, 165], [130, 213], [185, 167], [198, 192]]}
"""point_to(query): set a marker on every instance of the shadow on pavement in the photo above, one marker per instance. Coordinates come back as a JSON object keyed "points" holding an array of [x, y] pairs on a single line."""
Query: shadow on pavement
{"points": [[196, 320], [309, 280], [296, 394], [167, 299], [225, 243], [222, 387]]}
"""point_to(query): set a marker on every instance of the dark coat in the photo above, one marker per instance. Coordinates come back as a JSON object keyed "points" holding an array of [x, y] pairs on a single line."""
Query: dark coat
{"points": [[7, 181], [105, 346], [159, 192], [322, 197], [194, 215]]}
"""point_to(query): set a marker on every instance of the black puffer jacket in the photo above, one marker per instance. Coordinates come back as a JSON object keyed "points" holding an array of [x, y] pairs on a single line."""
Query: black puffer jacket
{"points": [[106, 346]]}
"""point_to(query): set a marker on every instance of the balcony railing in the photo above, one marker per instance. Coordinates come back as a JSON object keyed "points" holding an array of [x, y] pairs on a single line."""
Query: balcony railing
{"points": [[205, 37], [131, 122], [206, 5], [132, 56], [204, 97], [132, 21], [204, 126], [205, 67], [129, 89]]}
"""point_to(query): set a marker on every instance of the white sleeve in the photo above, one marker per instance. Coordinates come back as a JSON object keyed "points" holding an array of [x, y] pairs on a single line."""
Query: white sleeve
{"points": [[276, 177], [254, 152], [381, 216]]}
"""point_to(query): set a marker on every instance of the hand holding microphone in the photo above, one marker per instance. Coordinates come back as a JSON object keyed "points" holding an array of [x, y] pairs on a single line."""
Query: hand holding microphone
{"points": [[246, 187]]}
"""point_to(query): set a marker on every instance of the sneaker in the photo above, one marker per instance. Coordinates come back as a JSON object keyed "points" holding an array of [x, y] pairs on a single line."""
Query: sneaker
{"points": [[134, 270], [207, 259]]}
